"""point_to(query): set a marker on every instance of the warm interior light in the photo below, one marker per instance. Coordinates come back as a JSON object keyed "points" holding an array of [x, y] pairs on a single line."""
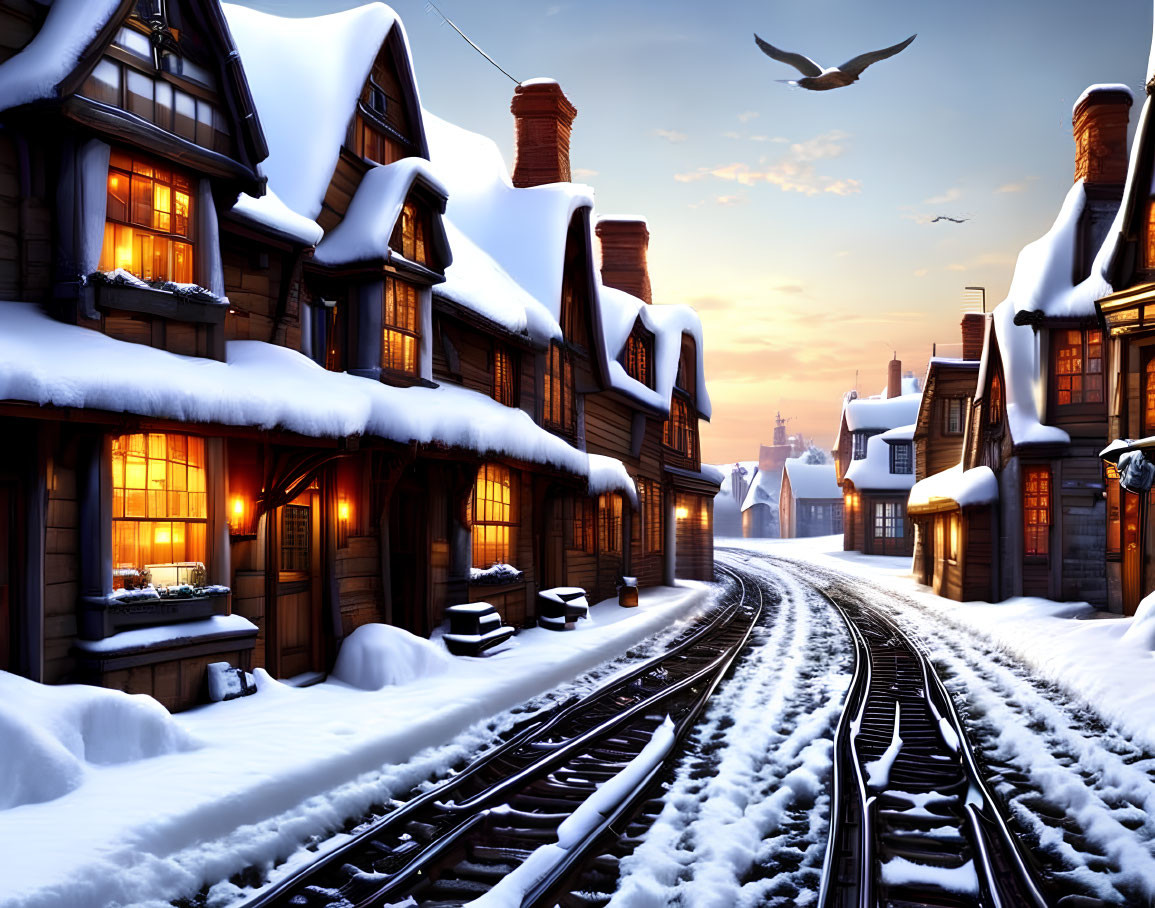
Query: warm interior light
{"points": [[343, 510], [162, 535], [238, 507], [683, 513]]}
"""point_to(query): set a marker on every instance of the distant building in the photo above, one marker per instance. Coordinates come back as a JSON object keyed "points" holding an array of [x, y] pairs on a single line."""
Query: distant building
{"points": [[747, 503], [731, 494], [810, 502], [874, 465]]}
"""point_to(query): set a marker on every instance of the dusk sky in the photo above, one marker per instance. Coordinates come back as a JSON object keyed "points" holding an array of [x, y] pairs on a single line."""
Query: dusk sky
{"points": [[797, 223]]}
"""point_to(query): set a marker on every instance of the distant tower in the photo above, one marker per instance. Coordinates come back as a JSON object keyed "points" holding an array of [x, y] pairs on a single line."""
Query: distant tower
{"points": [[779, 429]]}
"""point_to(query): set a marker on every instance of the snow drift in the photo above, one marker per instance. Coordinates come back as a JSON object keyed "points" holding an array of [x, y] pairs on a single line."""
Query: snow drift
{"points": [[51, 733], [380, 655]]}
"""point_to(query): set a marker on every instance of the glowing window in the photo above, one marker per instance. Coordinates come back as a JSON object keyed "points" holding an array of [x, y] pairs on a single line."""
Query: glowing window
{"points": [[409, 236], [1037, 510], [493, 515], [651, 514], [1078, 367], [159, 507], [995, 408], [557, 391], [681, 430], [640, 356], [610, 523], [1150, 245], [401, 332], [148, 221], [584, 529], [504, 377]]}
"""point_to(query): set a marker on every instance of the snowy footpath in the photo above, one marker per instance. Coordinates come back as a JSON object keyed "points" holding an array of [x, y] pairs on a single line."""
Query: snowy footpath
{"points": [[105, 799], [1057, 695]]}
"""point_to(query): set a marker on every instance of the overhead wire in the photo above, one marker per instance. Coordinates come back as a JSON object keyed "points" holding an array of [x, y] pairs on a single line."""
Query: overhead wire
{"points": [[430, 5]]}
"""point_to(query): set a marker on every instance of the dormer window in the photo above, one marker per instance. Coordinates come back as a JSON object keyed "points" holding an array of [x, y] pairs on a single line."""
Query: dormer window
{"points": [[640, 356], [859, 446], [901, 460], [409, 236], [1078, 367], [148, 220]]}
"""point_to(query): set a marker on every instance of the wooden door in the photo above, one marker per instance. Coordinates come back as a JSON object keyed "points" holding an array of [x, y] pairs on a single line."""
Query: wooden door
{"points": [[7, 564], [298, 617], [409, 557], [1132, 551]]}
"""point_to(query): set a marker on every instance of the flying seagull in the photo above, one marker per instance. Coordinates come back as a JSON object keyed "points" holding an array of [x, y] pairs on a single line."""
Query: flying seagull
{"points": [[943, 217], [818, 79]]}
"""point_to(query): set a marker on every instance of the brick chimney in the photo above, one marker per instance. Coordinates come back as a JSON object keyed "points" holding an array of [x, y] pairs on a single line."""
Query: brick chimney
{"points": [[1099, 120], [973, 329], [894, 378], [542, 118], [624, 242]]}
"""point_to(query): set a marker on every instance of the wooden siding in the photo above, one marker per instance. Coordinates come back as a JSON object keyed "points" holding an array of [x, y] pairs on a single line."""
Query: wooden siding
{"points": [[695, 541]]}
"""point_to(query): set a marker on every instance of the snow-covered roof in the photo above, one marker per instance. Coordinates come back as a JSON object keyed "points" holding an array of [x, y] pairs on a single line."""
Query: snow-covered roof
{"points": [[952, 361], [306, 75], [873, 470], [510, 263], [764, 489], [812, 480], [900, 433], [35, 72], [523, 231], [270, 211], [620, 311], [726, 492], [963, 487], [364, 232], [265, 386], [1018, 348], [867, 413], [1042, 280]]}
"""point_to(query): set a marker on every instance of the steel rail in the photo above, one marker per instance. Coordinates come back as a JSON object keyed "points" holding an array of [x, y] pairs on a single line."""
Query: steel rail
{"points": [[541, 754]]}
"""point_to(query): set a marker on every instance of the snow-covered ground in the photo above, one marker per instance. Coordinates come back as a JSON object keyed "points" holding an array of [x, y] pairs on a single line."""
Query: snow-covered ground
{"points": [[745, 820], [1057, 694], [182, 802]]}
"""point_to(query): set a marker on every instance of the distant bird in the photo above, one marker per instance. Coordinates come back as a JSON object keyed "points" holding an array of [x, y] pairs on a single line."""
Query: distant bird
{"points": [[816, 78], [943, 217]]}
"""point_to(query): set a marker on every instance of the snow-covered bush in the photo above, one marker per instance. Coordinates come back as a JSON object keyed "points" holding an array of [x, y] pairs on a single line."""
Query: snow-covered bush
{"points": [[380, 655], [50, 732]]}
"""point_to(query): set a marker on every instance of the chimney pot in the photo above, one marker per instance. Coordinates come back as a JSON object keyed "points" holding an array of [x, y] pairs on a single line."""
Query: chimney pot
{"points": [[1099, 122], [624, 242], [973, 328], [894, 379], [542, 117]]}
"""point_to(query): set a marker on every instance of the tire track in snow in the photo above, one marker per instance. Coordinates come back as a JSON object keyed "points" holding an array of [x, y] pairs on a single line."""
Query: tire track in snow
{"points": [[745, 816], [1079, 789]]}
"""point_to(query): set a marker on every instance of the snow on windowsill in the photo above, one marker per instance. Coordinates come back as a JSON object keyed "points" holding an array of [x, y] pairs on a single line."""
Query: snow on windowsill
{"points": [[214, 628]]}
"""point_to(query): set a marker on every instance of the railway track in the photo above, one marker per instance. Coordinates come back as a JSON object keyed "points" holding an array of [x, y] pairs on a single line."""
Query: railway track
{"points": [[517, 822], [912, 821]]}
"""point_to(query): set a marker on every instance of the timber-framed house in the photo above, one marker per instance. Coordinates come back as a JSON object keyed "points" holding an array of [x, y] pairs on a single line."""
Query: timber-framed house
{"points": [[259, 407], [1023, 513], [874, 461]]}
